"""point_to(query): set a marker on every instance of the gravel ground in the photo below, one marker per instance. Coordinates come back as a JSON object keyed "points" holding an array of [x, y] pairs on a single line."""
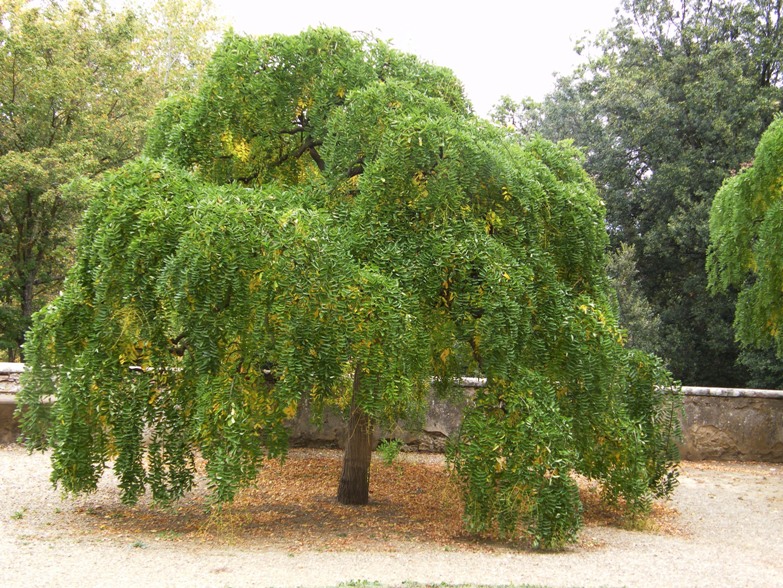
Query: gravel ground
{"points": [[728, 533]]}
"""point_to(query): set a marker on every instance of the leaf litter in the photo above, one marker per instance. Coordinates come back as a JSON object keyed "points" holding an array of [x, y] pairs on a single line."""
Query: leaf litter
{"points": [[293, 506]]}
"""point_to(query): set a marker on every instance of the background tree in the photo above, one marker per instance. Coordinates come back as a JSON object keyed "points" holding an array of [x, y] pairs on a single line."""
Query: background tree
{"points": [[746, 243], [175, 44], [332, 226], [78, 83], [635, 312], [674, 98]]}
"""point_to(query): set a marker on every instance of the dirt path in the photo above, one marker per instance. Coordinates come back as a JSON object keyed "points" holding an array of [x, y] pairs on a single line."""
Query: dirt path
{"points": [[727, 533]]}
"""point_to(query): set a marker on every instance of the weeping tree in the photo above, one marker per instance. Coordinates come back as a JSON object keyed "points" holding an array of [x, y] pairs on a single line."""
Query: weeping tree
{"points": [[746, 243], [325, 222]]}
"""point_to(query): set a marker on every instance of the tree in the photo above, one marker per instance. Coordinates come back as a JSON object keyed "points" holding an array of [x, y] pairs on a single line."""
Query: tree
{"points": [[176, 43], [78, 84], [635, 311], [746, 243], [37, 221], [673, 100], [325, 222]]}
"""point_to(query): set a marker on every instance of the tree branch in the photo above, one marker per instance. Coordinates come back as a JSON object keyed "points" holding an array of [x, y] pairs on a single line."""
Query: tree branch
{"points": [[308, 146], [317, 158], [294, 131], [178, 345], [356, 168]]}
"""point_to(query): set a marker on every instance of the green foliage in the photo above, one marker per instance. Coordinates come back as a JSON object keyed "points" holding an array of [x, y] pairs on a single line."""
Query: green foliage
{"points": [[612, 416], [277, 135], [253, 289], [515, 455], [345, 234], [175, 43], [766, 367], [746, 243], [389, 449], [635, 311], [79, 82], [37, 216], [674, 98]]}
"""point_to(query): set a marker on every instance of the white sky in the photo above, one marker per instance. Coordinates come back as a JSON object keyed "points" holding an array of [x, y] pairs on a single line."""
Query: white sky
{"points": [[495, 47]]}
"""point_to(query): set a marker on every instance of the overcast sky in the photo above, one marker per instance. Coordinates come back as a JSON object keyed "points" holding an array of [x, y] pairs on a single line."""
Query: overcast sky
{"points": [[495, 47]]}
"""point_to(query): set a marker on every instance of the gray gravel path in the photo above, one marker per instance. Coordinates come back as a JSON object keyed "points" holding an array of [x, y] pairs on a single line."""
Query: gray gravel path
{"points": [[731, 517]]}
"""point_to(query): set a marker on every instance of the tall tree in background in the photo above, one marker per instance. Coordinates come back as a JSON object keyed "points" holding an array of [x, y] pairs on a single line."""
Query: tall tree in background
{"points": [[78, 84], [635, 312], [673, 100], [176, 43]]}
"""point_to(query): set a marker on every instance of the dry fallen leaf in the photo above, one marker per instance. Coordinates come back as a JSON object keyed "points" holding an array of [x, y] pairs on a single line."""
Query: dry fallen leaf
{"points": [[293, 505]]}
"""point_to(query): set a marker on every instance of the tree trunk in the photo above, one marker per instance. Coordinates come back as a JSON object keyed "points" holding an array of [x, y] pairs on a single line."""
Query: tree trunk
{"points": [[354, 485], [26, 304]]}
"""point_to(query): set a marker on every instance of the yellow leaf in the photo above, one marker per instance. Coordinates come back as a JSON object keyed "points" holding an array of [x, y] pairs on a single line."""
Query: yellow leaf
{"points": [[242, 150], [290, 410], [444, 355], [500, 464]]}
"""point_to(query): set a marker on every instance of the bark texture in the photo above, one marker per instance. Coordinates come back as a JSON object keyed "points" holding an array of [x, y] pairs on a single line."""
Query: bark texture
{"points": [[354, 487]]}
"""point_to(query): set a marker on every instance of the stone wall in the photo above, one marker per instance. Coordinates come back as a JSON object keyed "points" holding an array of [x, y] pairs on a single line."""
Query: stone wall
{"points": [[718, 424], [9, 385], [441, 421], [732, 424]]}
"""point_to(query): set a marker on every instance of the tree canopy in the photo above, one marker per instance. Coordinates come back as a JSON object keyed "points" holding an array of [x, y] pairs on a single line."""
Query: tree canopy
{"points": [[78, 83], [325, 222], [746, 243], [672, 100]]}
